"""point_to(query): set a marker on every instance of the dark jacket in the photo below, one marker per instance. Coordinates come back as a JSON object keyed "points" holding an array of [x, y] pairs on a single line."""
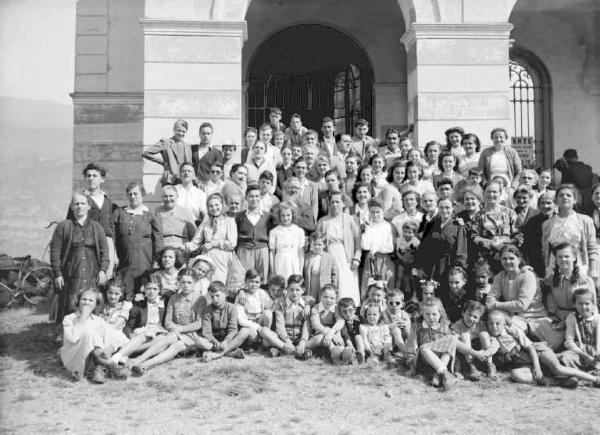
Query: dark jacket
{"points": [[138, 317]]}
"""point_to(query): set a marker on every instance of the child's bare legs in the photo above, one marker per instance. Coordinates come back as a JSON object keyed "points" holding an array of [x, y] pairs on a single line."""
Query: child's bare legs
{"points": [[522, 375], [486, 342], [440, 365], [136, 344], [235, 343], [360, 349], [549, 359], [157, 345], [397, 339], [465, 349]]}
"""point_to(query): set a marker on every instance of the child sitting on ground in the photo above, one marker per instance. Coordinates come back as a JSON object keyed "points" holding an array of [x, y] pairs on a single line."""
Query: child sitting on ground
{"points": [[511, 349], [320, 268], [582, 337], [254, 308], [376, 337], [203, 268], [376, 291], [116, 310], [455, 296], [468, 329], [324, 323], [397, 319], [171, 260], [183, 320], [88, 341], [220, 325], [146, 320], [431, 342], [353, 349], [291, 321]]}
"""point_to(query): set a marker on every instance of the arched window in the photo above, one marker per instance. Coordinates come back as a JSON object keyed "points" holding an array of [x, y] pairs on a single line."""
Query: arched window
{"points": [[530, 99]]}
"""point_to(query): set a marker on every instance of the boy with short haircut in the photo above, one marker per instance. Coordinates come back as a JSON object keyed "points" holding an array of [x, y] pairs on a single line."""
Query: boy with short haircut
{"points": [[220, 325], [406, 246], [353, 349], [468, 329], [275, 120], [320, 268], [291, 321], [254, 307], [397, 319], [582, 336], [267, 199], [445, 189], [327, 146], [361, 140], [296, 130], [228, 149]]}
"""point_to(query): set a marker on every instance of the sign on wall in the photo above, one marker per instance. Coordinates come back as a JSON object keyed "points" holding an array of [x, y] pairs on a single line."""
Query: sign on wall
{"points": [[525, 146]]}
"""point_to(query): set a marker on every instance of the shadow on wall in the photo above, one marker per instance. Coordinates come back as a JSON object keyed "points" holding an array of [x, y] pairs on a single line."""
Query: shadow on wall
{"points": [[36, 166]]}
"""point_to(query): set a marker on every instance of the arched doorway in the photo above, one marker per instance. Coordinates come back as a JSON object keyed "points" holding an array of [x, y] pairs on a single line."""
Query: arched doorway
{"points": [[531, 107], [313, 70]]}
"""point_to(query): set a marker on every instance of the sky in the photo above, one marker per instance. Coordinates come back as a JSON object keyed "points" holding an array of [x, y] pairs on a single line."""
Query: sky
{"points": [[37, 56]]}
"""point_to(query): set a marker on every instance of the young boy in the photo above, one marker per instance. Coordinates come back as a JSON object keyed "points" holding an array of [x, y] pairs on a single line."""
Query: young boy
{"points": [[254, 307], [220, 325], [406, 247], [228, 149], [397, 319], [266, 182], [353, 349], [296, 130], [468, 329], [320, 268], [291, 322], [360, 140], [275, 120], [455, 295], [582, 337]]}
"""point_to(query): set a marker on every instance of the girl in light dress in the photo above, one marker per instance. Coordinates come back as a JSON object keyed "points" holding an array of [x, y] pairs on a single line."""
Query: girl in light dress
{"points": [[116, 310], [376, 337], [203, 269], [171, 260], [286, 244], [216, 238]]}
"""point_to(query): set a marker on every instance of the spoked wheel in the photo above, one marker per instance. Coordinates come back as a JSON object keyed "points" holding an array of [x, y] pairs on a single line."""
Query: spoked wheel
{"points": [[36, 284], [7, 295]]}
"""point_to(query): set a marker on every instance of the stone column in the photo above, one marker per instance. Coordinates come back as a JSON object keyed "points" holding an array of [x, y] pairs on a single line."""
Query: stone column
{"points": [[192, 70], [457, 76]]}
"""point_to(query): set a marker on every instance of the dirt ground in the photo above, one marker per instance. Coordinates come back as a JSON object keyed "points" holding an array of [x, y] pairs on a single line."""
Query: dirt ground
{"points": [[263, 395]]}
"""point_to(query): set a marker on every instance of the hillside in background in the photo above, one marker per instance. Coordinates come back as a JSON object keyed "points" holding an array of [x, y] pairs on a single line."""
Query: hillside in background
{"points": [[36, 139]]}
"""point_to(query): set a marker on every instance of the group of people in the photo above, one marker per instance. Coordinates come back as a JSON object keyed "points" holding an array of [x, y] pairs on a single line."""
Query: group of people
{"points": [[448, 260]]}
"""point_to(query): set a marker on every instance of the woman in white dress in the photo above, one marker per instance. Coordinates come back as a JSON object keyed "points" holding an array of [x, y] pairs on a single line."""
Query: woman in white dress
{"points": [[343, 242]]}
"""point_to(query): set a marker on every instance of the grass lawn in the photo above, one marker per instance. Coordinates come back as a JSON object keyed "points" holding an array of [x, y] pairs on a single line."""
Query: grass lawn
{"points": [[263, 395]]}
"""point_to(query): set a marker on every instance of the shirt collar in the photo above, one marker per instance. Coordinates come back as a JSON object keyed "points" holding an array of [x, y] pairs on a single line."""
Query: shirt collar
{"points": [[100, 193], [139, 211], [258, 211], [322, 309], [300, 302], [425, 325]]}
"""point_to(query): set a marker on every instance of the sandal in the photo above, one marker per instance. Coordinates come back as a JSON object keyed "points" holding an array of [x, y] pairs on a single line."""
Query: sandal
{"points": [[138, 370]]}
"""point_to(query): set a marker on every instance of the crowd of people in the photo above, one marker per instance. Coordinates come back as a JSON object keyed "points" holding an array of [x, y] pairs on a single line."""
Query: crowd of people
{"points": [[447, 259]]}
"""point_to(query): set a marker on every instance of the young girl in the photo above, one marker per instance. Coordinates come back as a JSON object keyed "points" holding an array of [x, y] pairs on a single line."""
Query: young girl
{"points": [[115, 311], [431, 342], [183, 320], [376, 291], [217, 237], [430, 165], [414, 181], [320, 268], [171, 260], [376, 337], [324, 323], [286, 244], [365, 176], [88, 340], [215, 182], [203, 269], [544, 180], [145, 322], [455, 295], [482, 276], [397, 319], [378, 242]]}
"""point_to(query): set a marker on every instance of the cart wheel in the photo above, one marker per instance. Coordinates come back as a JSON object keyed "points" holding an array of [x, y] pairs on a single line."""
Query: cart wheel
{"points": [[37, 284]]}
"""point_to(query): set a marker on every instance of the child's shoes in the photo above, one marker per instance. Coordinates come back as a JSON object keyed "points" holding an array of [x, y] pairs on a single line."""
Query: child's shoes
{"points": [[360, 357], [570, 383], [449, 381], [472, 373], [237, 354], [138, 370], [274, 352], [436, 381], [347, 355], [98, 376]]}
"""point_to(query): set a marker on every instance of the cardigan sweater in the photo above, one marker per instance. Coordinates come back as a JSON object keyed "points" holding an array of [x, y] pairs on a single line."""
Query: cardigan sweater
{"points": [[138, 317], [351, 234], [253, 236], [514, 163], [62, 238]]}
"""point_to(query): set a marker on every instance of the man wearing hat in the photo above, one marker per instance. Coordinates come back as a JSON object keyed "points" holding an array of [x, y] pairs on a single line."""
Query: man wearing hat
{"points": [[574, 172]]}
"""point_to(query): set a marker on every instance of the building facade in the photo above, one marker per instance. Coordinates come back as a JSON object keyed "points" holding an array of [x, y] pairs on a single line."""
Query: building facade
{"points": [[531, 66]]}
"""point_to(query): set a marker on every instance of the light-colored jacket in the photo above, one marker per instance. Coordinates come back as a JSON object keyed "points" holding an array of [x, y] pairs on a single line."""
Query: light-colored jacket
{"points": [[514, 164]]}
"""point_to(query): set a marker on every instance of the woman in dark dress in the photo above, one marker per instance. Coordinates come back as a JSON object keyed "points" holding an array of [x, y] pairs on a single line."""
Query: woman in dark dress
{"points": [[78, 254], [138, 238]]}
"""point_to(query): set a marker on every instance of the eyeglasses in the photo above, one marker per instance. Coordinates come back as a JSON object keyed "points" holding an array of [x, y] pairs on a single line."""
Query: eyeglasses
{"points": [[394, 303]]}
